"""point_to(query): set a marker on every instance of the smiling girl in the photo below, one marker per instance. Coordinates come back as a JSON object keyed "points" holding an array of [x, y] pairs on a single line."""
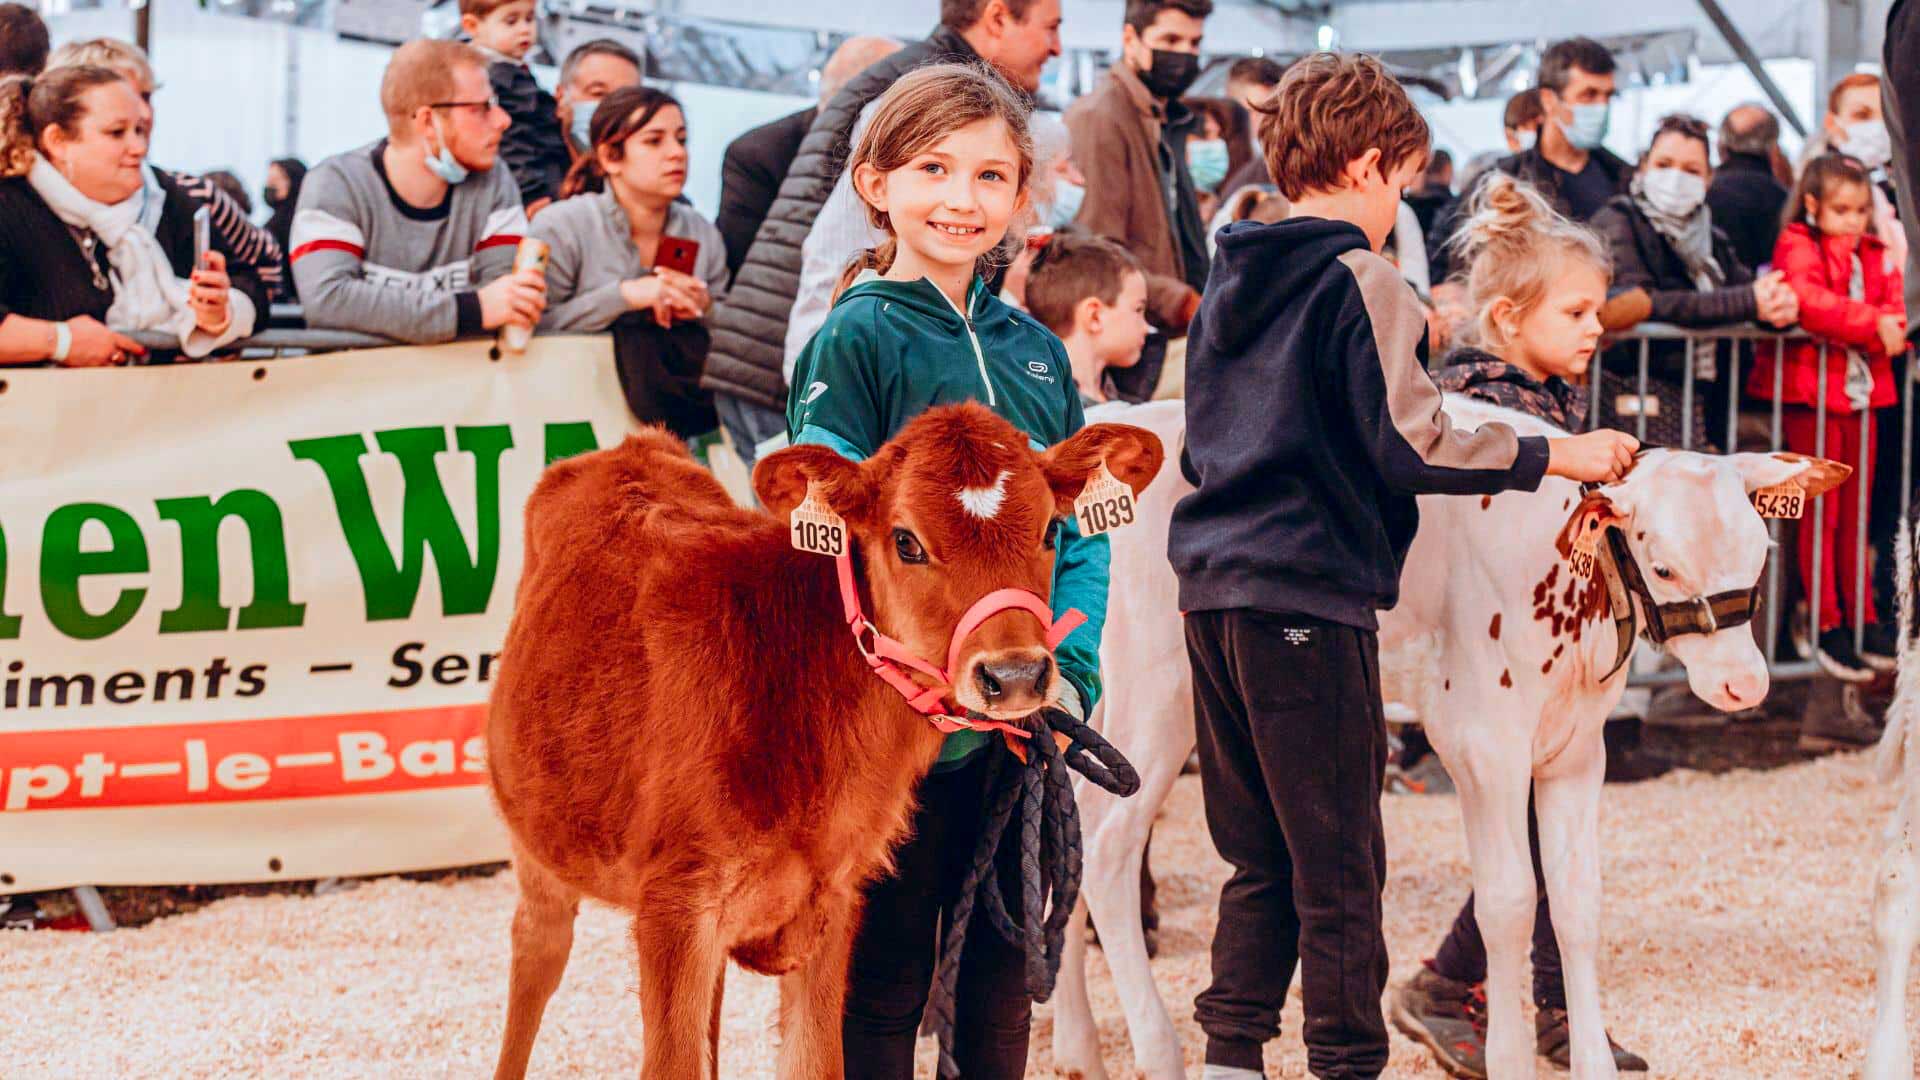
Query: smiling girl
{"points": [[943, 168]]}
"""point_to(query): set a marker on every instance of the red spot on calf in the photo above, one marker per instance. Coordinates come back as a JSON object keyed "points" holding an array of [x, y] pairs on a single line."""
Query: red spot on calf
{"points": [[1506, 680], [1546, 667], [1493, 631], [1486, 502]]}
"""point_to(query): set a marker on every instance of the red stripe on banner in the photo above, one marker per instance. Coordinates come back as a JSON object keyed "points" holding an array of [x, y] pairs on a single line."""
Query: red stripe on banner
{"points": [[312, 246], [300, 757], [499, 240]]}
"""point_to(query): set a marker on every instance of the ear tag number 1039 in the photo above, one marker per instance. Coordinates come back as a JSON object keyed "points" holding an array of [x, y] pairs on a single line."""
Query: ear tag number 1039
{"points": [[1787, 501], [816, 528], [1104, 505]]}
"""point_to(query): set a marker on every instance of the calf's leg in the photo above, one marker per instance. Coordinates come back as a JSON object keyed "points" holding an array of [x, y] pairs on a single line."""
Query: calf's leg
{"points": [[1569, 810], [813, 1000], [1150, 720], [1493, 781], [542, 938], [1896, 918], [680, 964]]}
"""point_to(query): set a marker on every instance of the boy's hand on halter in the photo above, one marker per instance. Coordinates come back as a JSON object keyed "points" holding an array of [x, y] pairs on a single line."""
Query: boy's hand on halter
{"points": [[1598, 457]]}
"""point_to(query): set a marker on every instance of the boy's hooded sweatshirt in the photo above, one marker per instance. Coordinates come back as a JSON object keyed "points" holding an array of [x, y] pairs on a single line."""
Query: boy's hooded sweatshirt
{"points": [[891, 350], [1311, 425]]}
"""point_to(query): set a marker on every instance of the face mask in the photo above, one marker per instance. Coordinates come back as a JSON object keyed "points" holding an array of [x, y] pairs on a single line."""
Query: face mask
{"points": [[582, 126], [1067, 197], [1589, 127], [1526, 137], [1867, 140], [443, 164], [1207, 161], [1171, 74], [272, 199], [1673, 192]]}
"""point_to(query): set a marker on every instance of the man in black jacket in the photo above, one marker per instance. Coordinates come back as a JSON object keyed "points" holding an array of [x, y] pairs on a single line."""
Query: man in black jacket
{"points": [[1745, 197], [1567, 163], [744, 370], [757, 161]]}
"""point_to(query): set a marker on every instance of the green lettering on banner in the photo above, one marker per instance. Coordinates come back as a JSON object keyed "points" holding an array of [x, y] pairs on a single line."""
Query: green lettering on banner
{"points": [[199, 519], [9, 624], [63, 564], [427, 521], [566, 440]]}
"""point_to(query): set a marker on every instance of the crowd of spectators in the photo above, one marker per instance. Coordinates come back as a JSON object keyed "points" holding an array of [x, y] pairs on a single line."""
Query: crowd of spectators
{"points": [[412, 236]]}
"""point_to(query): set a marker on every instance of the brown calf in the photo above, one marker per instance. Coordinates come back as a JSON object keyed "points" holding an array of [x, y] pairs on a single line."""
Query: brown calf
{"points": [[684, 728]]}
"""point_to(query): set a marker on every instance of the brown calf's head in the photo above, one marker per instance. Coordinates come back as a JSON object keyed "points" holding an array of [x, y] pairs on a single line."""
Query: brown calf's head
{"points": [[956, 506]]}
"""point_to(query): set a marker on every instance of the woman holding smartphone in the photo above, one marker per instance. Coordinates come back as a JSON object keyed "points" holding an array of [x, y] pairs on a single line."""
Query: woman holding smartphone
{"points": [[620, 240], [78, 252]]}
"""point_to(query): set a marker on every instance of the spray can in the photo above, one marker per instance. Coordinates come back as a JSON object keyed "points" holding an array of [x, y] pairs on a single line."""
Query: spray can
{"points": [[532, 253]]}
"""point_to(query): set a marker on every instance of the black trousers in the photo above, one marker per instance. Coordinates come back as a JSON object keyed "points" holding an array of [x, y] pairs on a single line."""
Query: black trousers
{"points": [[1293, 752], [900, 935], [1463, 955]]}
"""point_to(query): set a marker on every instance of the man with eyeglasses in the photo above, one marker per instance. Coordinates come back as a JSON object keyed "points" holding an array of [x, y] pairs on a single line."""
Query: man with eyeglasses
{"points": [[413, 237]]}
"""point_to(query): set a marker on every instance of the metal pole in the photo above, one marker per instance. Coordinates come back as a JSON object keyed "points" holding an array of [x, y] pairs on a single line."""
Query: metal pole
{"points": [[143, 27], [1860, 539], [1738, 43], [1686, 396], [1640, 429], [1819, 505], [1773, 524]]}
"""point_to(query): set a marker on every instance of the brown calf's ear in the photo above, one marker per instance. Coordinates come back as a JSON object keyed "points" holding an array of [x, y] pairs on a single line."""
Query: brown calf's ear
{"points": [[1815, 476], [781, 480], [1821, 475], [1132, 454]]}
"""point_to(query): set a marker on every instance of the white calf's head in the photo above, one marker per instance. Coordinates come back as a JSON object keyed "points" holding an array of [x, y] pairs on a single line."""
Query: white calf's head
{"points": [[1691, 527]]}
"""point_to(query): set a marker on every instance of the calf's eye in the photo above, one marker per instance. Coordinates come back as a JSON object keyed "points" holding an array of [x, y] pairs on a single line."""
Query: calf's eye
{"points": [[1052, 534], [907, 546], [1662, 572]]}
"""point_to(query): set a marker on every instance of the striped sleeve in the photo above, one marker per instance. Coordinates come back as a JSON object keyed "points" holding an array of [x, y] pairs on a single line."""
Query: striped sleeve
{"points": [[318, 230]]}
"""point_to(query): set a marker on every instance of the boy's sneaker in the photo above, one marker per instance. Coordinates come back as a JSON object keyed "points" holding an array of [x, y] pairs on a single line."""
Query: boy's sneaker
{"points": [[1447, 1017], [1551, 1041], [1881, 647], [1838, 659]]}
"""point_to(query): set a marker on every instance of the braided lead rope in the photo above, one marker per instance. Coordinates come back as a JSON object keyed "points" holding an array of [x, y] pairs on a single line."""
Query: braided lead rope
{"points": [[1051, 859]]}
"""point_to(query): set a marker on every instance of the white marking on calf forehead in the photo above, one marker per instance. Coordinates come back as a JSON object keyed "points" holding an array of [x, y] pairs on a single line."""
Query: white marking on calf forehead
{"points": [[984, 502], [1695, 506]]}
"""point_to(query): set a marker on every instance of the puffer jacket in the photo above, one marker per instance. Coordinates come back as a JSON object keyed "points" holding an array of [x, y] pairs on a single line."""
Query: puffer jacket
{"points": [[1819, 269], [750, 328]]}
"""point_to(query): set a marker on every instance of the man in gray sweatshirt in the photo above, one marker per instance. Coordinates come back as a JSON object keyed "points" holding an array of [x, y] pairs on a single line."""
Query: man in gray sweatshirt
{"points": [[413, 237]]}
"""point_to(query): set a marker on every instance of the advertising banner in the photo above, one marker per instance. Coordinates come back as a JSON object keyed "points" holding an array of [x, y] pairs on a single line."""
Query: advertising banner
{"points": [[250, 612]]}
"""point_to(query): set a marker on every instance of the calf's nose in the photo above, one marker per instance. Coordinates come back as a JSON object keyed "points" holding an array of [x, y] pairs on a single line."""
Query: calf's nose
{"points": [[1746, 689], [1013, 678]]}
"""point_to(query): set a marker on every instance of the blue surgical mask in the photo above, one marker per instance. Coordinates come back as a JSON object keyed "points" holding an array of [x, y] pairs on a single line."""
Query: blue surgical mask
{"points": [[1207, 161], [582, 127], [1589, 127], [1526, 137], [1067, 197], [443, 164]]}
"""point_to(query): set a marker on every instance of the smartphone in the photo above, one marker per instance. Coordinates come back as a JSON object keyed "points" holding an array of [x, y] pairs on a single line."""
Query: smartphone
{"points": [[678, 253], [202, 236]]}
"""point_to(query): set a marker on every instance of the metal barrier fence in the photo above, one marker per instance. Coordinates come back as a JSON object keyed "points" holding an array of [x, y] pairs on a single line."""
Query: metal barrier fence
{"points": [[1726, 343], [1643, 339]]}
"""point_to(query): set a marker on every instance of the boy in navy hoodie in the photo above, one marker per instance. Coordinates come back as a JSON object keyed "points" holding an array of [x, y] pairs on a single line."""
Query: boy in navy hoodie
{"points": [[1311, 426]]}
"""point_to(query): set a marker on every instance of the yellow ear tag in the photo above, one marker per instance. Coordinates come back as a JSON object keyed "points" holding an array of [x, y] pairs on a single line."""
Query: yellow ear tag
{"points": [[1586, 543], [1786, 501], [815, 527], [1104, 505]]}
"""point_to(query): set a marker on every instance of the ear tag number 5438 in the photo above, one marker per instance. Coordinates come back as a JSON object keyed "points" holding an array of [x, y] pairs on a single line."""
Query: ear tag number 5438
{"points": [[1586, 544], [1786, 501], [815, 527], [1104, 505]]}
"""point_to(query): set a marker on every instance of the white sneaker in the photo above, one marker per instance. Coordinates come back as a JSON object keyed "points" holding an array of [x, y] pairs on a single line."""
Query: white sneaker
{"points": [[1228, 1072]]}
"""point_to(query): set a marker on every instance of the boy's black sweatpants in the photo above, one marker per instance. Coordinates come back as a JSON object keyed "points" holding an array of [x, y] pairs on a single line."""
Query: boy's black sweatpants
{"points": [[1293, 753]]}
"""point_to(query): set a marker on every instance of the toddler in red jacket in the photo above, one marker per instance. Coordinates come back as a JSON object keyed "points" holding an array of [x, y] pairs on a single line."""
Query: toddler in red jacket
{"points": [[1852, 311]]}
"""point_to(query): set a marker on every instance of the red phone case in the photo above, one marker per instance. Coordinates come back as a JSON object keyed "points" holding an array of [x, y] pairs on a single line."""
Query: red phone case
{"points": [[678, 253]]}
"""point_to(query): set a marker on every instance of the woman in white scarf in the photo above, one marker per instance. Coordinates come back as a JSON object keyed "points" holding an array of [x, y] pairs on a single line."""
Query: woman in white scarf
{"points": [[78, 138]]}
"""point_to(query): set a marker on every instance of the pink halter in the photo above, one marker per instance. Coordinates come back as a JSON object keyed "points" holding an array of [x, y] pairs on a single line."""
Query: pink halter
{"points": [[884, 654]]}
